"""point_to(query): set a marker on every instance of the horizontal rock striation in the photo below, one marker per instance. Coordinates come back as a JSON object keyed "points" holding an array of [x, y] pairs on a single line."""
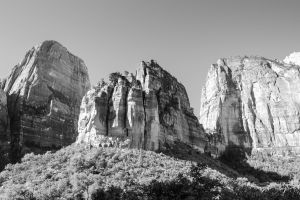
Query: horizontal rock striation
{"points": [[253, 103], [150, 108], [44, 95]]}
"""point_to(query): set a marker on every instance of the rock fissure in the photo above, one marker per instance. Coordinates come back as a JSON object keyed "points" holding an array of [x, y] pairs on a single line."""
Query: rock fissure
{"points": [[107, 119], [145, 121], [126, 111]]}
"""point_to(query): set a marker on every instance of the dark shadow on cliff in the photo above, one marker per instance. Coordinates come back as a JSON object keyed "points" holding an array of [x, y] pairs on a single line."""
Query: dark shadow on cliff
{"points": [[4, 158], [232, 163], [236, 158]]}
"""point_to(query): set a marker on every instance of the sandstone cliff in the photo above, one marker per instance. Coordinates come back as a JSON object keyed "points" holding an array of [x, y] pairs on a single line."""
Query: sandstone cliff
{"points": [[44, 95], [293, 58], [252, 102], [150, 108]]}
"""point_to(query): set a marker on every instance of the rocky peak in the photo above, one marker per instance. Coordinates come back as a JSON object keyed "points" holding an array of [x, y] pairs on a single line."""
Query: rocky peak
{"points": [[44, 95], [293, 58], [151, 109], [253, 103]]}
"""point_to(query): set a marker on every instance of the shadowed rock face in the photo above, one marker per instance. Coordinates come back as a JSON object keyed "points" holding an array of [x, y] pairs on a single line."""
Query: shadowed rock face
{"points": [[150, 108], [4, 121], [4, 130], [44, 95], [252, 102]]}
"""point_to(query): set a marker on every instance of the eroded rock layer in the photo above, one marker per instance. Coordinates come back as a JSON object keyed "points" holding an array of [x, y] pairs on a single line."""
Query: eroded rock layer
{"points": [[252, 102], [44, 95], [150, 108]]}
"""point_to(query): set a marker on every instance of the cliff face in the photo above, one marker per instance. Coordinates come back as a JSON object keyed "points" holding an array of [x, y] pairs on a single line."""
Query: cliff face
{"points": [[252, 102], [44, 95], [4, 130], [293, 58], [4, 121], [150, 108]]}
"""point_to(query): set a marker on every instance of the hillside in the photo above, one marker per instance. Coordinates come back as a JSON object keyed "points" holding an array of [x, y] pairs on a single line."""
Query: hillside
{"points": [[76, 172]]}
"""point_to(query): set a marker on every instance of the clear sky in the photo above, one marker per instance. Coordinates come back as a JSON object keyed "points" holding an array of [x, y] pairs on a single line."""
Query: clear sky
{"points": [[185, 37]]}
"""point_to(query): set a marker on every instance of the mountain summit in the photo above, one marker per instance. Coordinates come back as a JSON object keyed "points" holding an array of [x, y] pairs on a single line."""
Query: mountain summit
{"points": [[150, 108], [44, 93], [293, 58]]}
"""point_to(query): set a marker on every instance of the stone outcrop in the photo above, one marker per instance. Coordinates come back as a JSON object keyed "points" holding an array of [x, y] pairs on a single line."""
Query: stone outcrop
{"points": [[44, 94], [150, 108], [293, 58], [253, 103]]}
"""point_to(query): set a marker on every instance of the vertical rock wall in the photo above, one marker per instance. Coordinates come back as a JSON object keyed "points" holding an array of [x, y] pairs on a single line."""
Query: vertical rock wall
{"points": [[151, 109], [4, 131], [253, 103], [44, 95]]}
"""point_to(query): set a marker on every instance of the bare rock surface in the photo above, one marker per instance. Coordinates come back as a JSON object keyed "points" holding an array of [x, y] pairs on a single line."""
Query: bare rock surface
{"points": [[44, 95], [150, 108], [293, 58], [252, 102]]}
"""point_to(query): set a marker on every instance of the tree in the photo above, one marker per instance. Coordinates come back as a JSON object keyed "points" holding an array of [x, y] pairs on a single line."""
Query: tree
{"points": [[81, 183]]}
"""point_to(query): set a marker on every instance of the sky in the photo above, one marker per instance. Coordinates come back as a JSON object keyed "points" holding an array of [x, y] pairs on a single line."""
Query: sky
{"points": [[184, 36]]}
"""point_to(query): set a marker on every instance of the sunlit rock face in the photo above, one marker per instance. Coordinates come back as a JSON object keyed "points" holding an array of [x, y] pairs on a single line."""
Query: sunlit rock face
{"points": [[150, 108], [293, 58], [252, 102], [44, 96]]}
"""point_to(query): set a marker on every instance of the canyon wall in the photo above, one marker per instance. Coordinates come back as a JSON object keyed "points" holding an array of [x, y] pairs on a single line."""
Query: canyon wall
{"points": [[150, 108], [253, 103], [44, 93]]}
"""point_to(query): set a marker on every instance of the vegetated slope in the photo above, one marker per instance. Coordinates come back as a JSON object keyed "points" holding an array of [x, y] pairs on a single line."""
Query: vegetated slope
{"points": [[76, 172], [287, 165], [62, 173]]}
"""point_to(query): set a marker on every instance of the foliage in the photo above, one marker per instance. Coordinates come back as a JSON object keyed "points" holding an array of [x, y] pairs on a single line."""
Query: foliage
{"points": [[77, 172], [238, 160]]}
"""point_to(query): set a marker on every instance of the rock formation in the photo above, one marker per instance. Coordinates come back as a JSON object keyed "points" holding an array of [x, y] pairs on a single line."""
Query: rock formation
{"points": [[4, 130], [253, 103], [4, 121], [293, 58], [150, 108], [44, 95]]}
